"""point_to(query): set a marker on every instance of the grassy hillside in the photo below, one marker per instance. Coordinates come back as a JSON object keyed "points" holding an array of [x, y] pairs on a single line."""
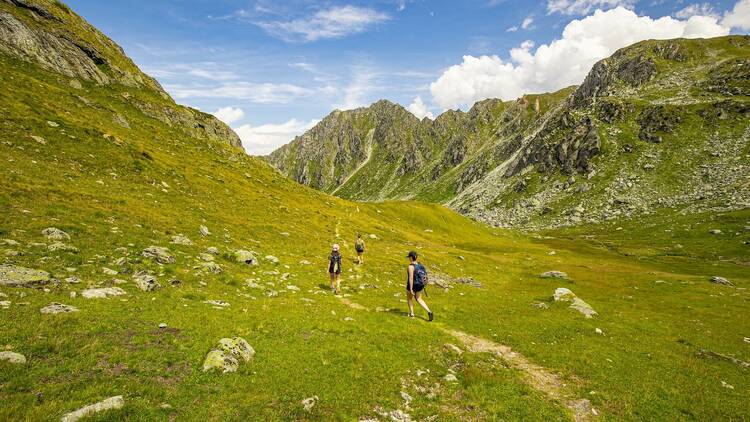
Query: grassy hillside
{"points": [[98, 163]]}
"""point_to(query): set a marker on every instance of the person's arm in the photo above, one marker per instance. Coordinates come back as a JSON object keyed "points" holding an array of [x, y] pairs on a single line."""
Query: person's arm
{"points": [[411, 278]]}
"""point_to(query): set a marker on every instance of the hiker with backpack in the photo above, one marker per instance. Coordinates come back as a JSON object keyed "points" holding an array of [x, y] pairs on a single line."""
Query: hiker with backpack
{"points": [[334, 269], [359, 246], [416, 281]]}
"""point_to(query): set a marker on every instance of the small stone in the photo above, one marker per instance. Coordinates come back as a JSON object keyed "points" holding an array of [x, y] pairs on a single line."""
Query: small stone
{"points": [[73, 295], [204, 231], [52, 124], [145, 281], [4, 304], [309, 403], [73, 280], [293, 288], [181, 239], [158, 254], [13, 357], [373, 236], [721, 280], [212, 250], [599, 331], [116, 402], [102, 293], [660, 282], [727, 386], [58, 308], [554, 274], [53, 233], [450, 378], [212, 267], [218, 303], [285, 234], [60, 246], [715, 231], [305, 262], [540, 305], [206, 257], [272, 259], [109, 271], [163, 325]]}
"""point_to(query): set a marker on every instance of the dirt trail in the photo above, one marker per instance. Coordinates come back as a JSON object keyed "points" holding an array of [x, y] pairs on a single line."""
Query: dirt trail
{"points": [[538, 377]]}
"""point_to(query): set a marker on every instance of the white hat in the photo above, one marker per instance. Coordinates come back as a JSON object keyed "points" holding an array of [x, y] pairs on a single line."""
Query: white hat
{"points": [[335, 246]]}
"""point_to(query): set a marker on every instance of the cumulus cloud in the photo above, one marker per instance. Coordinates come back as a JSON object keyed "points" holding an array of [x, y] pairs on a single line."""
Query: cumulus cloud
{"points": [[419, 109], [698, 9], [264, 139], [527, 22], [335, 22], [739, 17], [583, 7], [564, 61], [229, 115]]}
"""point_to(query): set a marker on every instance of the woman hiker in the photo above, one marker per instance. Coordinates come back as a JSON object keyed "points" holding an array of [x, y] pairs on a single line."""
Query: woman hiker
{"points": [[359, 246], [334, 269], [416, 278]]}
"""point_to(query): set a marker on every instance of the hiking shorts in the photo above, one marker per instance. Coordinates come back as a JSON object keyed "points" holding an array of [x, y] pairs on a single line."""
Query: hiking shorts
{"points": [[417, 287], [332, 270]]}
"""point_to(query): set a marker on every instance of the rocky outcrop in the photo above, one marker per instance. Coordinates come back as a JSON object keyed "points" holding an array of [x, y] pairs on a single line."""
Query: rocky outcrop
{"points": [[15, 276]]}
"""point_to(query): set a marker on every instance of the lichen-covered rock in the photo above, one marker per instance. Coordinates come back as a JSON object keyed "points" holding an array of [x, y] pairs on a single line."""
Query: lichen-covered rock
{"points": [[237, 347], [102, 293], [12, 357], [58, 308], [181, 239], [158, 254], [60, 246], [54, 233], [245, 257], [146, 281], [721, 280], [13, 275], [272, 259], [221, 361], [563, 294], [116, 402]]}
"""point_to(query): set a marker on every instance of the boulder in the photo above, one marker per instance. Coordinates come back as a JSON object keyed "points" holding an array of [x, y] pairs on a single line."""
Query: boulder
{"points": [[583, 307], [53, 233], [181, 239], [554, 274], [218, 360], [245, 257], [58, 308], [158, 254], [102, 293], [12, 275], [12, 357], [145, 281], [237, 347], [721, 280], [116, 402], [563, 294]]}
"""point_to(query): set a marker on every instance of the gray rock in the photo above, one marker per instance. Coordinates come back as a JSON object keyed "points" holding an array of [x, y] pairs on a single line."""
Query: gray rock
{"points": [[158, 254], [206, 257], [217, 303], [245, 257], [212, 267], [228, 355], [181, 239], [272, 259], [102, 293], [237, 347], [212, 250], [563, 294], [540, 305], [554, 274], [218, 360], [13, 357], [145, 281], [58, 308], [109, 271], [583, 307], [204, 231], [60, 246], [721, 280], [116, 402], [53, 233], [309, 403], [4, 304], [715, 231], [450, 378], [12, 275], [453, 348]]}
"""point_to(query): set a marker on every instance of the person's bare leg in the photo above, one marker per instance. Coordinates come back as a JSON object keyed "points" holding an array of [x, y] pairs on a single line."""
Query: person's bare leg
{"points": [[338, 284], [333, 285], [409, 302], [422, 303]]}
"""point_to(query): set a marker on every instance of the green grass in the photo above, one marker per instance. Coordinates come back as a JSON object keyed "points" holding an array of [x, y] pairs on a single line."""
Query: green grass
{"points": [[644, 366]]}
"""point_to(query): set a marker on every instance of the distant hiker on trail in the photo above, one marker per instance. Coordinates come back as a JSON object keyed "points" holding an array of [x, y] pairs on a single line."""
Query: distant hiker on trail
{"points": [[334, 269], [416, 281], [359, 246]]}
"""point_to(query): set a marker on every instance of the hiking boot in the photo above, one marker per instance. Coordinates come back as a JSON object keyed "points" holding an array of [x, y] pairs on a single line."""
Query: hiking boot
{"points": [[429, 314]]}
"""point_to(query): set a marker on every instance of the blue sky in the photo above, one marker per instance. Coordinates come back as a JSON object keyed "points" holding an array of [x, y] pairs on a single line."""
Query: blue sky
{"points": [[274, 68]]}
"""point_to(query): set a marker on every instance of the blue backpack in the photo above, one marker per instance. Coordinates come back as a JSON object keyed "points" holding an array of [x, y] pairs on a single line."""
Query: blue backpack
{"points": [[420, 275]]}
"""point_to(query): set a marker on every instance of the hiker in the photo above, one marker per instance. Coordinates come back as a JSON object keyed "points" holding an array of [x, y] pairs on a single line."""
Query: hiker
{"points": [[416, 281], [334, 269], [359, 246]]}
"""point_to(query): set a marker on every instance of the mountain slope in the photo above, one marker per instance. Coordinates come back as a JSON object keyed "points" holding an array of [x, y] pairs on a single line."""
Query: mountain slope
{"points": [[121, 171], [630, 139]]}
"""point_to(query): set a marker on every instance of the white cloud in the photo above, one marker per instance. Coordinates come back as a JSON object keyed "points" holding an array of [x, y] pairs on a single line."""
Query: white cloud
{"points": [[264, 93], [401, 5], [512, 29], [229, 115], [583, 7], [335, 22], [264, 139], [739, 17], [419, 109], [564, 61], [527, 22], [356, 93]]}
